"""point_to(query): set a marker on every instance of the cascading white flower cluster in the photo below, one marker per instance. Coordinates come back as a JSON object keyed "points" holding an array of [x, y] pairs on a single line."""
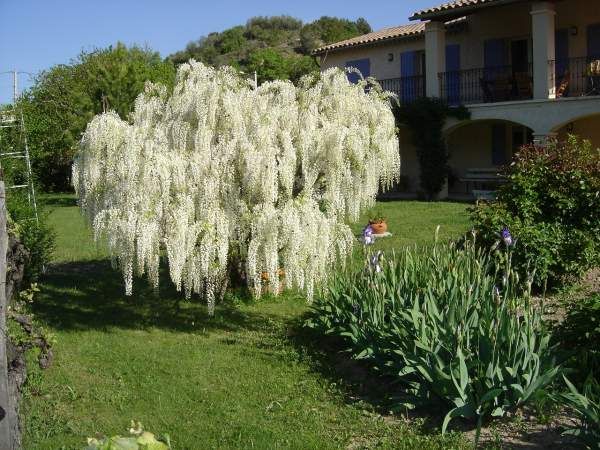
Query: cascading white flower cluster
{"points": [[219, 172]]}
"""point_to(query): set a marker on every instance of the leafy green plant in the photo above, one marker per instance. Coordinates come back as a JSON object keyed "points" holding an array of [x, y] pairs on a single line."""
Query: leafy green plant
{"points": [[65, 97], [435, 319], [139, 440], [286, 35], [551, 205], [35, 235], [578, 336], [375, 214], [426, 117], [587, 407]]}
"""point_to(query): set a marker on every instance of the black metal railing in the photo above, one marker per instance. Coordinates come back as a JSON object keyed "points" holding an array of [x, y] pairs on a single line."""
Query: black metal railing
{"points": [[486, 85], [575, 77], [406, 88]]}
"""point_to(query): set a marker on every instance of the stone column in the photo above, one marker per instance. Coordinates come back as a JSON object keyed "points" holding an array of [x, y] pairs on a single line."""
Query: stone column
{"points": [[543, 29], [435, 56]]}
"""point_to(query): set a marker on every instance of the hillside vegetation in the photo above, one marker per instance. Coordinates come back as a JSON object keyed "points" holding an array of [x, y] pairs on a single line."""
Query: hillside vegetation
{"points": [[277, 47]]}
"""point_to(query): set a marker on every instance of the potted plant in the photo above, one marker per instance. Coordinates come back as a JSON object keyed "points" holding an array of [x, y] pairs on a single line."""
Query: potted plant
{"points": [[378, 223], [594, 68]]}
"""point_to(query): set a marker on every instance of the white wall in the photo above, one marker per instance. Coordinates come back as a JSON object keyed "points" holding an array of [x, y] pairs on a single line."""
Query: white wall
{"points": [[381, 68]]}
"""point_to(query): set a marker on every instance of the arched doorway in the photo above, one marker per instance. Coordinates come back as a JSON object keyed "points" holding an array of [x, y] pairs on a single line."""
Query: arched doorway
{"points": [[478, 150], [586, 127]]}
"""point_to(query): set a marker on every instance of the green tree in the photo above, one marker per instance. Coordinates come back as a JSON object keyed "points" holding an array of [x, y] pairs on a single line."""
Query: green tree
{"points": [[277, 47], [269, 64], [327, 30], [64, 98]]}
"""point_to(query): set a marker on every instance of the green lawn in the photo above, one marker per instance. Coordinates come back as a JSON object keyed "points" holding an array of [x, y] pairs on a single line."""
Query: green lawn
{"points": [[247, 378]]}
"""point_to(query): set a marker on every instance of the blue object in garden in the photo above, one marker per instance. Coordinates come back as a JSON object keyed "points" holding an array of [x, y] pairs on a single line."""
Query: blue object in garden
{"points": [[362, 65], [367, 235], [374, 261], [507, 237]]}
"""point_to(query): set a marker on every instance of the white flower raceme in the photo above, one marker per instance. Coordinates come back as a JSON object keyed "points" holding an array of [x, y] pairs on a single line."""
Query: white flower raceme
{"points": [[220, 173]]}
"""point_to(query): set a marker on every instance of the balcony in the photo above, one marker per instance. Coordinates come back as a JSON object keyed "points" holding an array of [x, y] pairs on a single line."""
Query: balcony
{"points": [[575, 77], [407, 89], [486, 85]]}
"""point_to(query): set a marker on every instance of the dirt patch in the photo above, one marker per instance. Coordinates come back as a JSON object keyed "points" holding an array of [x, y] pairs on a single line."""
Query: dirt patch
{"points": [[592, 280], [525, 431]]}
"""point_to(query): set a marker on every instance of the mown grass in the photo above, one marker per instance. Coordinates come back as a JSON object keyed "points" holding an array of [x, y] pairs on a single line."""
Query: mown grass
{"points": [[247, 378]]}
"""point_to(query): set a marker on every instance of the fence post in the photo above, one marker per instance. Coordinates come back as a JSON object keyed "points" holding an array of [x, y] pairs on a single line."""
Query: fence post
{"points": [[6, 438]]}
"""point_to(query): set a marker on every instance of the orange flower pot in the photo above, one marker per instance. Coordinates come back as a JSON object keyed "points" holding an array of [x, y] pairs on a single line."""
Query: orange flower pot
{"points": [[378, 227]]}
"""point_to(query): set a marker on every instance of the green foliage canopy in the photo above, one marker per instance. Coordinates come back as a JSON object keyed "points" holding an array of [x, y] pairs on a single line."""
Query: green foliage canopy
{"points": [[277, 47], [64, 99], [425, 117]]}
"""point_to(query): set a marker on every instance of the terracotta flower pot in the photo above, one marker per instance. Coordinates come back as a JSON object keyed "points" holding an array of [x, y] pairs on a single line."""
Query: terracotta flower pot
{"points": [[266, 284], [378, 226], [265, 275]]}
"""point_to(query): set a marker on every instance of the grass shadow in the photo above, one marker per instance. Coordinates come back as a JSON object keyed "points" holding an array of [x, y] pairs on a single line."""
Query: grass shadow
{"points": [[86, 295], [359, 381], [55, 201], [361, 384]]}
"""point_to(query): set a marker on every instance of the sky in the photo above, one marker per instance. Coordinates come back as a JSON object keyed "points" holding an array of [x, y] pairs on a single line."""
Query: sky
{"points": [[37, 34]]}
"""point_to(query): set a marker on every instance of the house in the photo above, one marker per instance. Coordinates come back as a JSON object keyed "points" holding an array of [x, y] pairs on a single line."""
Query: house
{"points": [[526, 70]]}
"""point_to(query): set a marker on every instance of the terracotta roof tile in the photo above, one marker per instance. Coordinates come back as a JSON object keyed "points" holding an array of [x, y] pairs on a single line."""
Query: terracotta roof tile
{"points": [[454, 6], [400, 32], [381, 35]]}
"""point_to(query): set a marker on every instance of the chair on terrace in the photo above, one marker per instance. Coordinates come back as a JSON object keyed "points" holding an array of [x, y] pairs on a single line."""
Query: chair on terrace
{"points": [[563, 88], [522, 85]]}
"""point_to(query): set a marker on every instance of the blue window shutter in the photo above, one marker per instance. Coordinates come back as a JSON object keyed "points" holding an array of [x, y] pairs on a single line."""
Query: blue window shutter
{"points": [[452, 75], [499, 144], [561, 54], [562, 44], [593, 41], [494, 53], [408, 71], [363, 65], [408, 64], [494, 58]]}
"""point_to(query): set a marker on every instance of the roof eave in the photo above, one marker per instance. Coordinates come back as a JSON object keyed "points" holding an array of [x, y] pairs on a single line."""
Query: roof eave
{"points": [[455, 26], [319, 52], [455, 13]]}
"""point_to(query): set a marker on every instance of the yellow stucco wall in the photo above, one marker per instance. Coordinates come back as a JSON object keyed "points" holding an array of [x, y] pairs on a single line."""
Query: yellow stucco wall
{"points": [[381, 68], [470, 146], [578, 13], [588, 128], [507, 22]]}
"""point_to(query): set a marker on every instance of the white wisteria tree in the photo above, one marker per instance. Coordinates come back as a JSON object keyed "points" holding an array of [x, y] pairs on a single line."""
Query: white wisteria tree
{"points": [[223, 178]]}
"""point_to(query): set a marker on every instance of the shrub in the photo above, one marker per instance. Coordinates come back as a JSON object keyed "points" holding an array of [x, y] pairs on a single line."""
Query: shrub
{"points": [[586, 406], [36, 235], [579, 335], [551, 203], [64, 98], [222, 176], [425, 118], [434, 319]]}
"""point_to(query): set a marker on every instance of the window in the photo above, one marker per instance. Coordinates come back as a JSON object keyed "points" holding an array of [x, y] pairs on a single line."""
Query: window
{"points": [[363, 66], [412, 71]]}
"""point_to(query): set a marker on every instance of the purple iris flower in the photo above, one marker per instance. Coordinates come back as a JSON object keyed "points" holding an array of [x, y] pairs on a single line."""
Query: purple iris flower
{"points": [[367, 235], [374, 262], [507, 237]]}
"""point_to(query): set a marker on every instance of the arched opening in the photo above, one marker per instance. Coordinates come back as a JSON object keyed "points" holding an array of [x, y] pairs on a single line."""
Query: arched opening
{"points": [[586, 127], [478, 150]]}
